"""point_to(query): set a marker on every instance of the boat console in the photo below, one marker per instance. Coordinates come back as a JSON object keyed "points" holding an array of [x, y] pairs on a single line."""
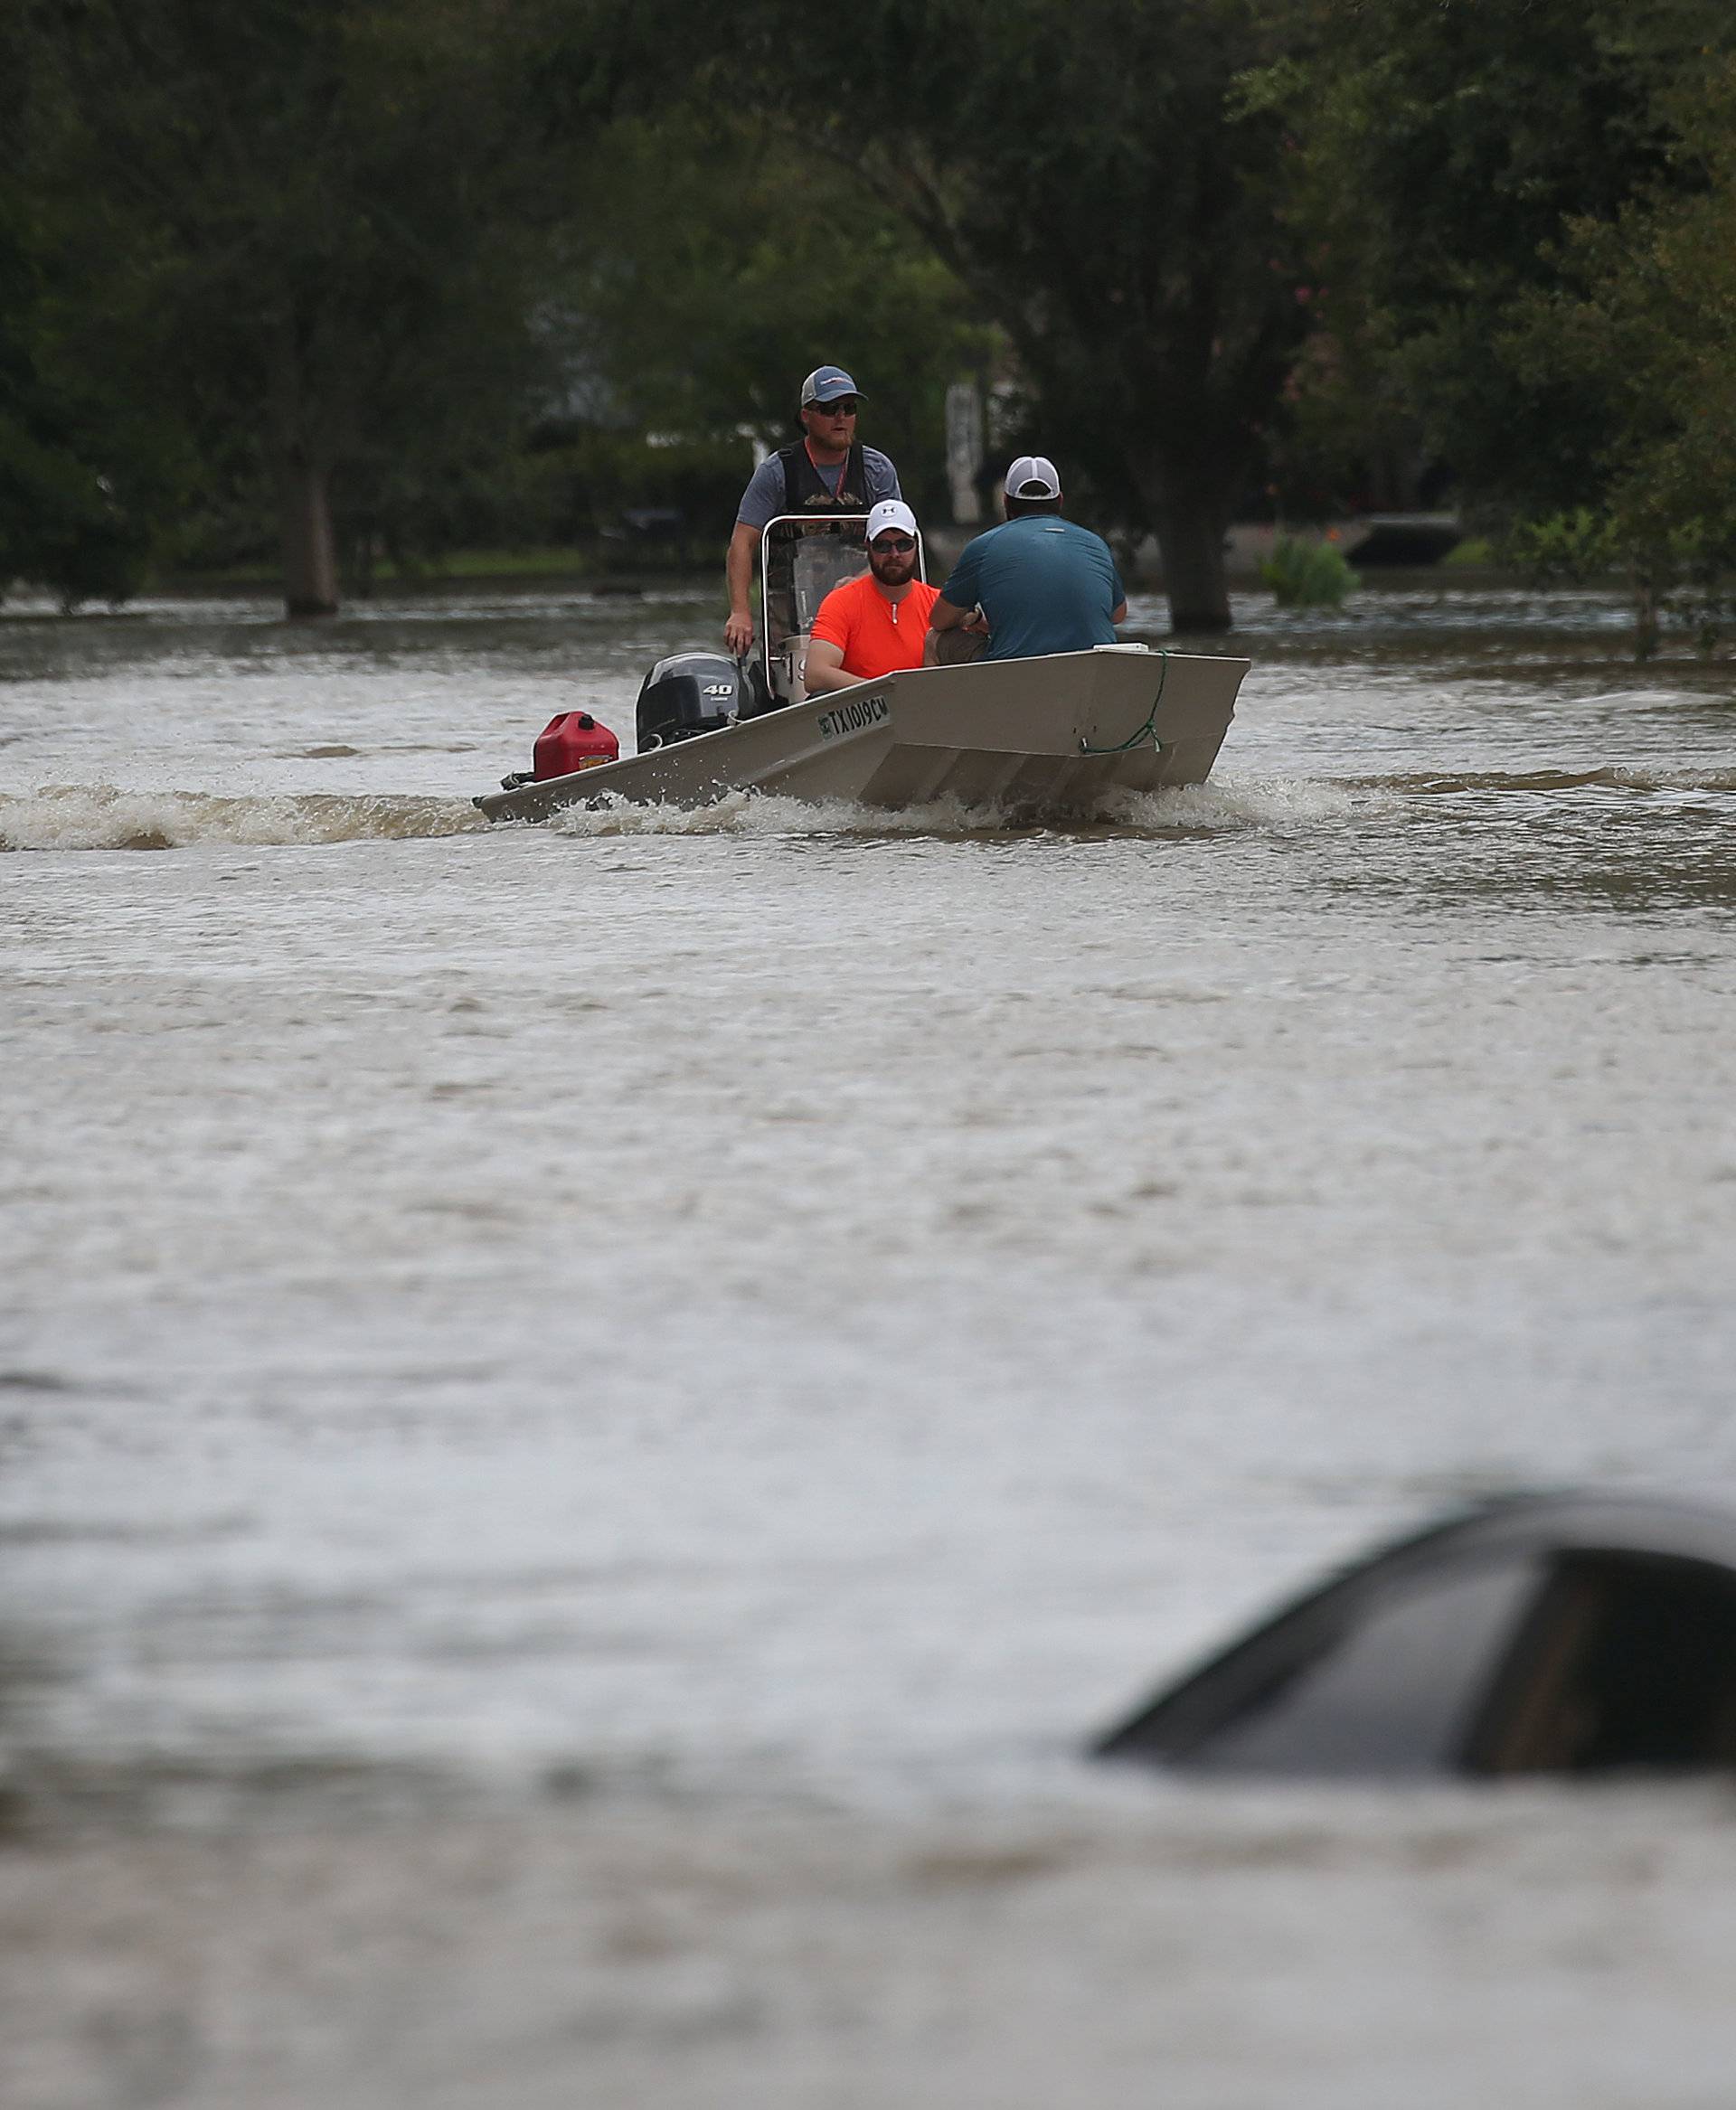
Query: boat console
{"points": [[802, 557]]}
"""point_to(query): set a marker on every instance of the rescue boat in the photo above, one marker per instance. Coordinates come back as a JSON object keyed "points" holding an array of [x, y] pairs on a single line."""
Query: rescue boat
{"points": [[1052, 737]]}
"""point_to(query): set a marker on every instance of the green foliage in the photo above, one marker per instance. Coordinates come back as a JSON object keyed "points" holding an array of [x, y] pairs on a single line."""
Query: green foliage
{"points": [[1308, 575], [1682, 576], [86, 479], [1640, 325], [1342, 439], [386, 245], [702, 285], [1088, 171], [61, 526], [72, 468], [1448, 149], [588, 484], [1565, 547], [1475, 553], [309, 229], [1522, 239]]}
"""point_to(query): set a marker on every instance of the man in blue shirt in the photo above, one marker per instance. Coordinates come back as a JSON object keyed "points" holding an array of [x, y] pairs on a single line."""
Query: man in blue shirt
{"points": [[827, 470], [1042, 584]]}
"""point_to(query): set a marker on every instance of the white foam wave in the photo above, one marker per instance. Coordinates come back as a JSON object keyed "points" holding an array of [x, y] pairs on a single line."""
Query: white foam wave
{"points": [[107, 817], [104, 818], [1231, 804], [1208, 808], [747, 813]]}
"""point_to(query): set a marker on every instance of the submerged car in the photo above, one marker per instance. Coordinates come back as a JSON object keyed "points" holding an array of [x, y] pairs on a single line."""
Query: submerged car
{"points": [[1539, 1634]]}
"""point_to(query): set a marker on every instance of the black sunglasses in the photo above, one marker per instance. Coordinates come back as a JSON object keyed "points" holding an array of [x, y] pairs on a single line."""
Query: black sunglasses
{"points": [[839, 406], [894, 545]]}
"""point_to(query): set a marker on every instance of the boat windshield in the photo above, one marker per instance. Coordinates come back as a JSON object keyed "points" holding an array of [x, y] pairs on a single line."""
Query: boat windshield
{"points": [[802, 557]]}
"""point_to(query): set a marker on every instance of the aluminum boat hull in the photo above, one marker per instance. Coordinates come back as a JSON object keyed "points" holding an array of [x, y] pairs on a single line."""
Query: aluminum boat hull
{"points": [[1031, 736]]}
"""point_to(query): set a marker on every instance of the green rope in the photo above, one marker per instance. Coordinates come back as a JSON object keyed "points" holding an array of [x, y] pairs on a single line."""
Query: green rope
{"points": [[1134, 737]]}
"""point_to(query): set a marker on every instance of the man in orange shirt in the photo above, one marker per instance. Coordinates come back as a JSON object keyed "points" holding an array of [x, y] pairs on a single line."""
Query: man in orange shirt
{"points": [[874, 625]]}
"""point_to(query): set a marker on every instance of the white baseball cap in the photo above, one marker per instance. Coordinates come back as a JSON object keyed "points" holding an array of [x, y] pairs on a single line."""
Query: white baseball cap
{"points": [[890, 512], [1033, 469]]}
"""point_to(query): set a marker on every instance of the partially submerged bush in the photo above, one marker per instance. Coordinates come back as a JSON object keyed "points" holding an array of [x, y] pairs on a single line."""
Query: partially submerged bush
{"points": [[1681, 572], [1306, 575]]}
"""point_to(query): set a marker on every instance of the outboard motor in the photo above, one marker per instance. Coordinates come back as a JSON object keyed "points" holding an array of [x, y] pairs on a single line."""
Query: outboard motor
{"points": [[697, 692]]}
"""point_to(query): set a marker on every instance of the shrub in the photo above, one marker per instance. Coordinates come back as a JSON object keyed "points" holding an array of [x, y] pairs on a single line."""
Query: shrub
{"points": [[1680, 569], [1306, 575]]}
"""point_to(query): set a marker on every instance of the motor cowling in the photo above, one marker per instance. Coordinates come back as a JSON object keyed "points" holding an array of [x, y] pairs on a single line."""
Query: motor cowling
{"points": [[692, 692], [572, 739]]}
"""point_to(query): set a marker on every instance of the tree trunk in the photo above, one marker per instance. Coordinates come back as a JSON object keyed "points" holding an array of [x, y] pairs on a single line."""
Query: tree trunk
{"points": [[309, 548], [1190, 539]]}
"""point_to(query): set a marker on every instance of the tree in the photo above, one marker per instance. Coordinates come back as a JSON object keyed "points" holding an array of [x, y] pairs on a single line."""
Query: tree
{"points": [[317, 223], [1089, 171], [84, 477], [85, 480], [700, 287], [1641, 326], [1450, 145]]}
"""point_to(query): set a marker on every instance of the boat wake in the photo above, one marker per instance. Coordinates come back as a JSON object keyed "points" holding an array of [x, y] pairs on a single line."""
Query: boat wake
{"points": [[1195, 809], [1609, 777], [103, 817], [106, 817]]}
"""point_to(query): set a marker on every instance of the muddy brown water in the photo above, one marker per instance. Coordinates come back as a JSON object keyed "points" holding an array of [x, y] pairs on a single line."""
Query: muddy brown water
{"points": [[590, 1416]]}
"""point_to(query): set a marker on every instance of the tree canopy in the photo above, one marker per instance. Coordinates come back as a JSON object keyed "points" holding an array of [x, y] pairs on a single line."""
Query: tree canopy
{"points": [[312, 224], [1449, 150], [701, 288], [88, 472], [386, 267], [1089, 172], [1641, 324]]}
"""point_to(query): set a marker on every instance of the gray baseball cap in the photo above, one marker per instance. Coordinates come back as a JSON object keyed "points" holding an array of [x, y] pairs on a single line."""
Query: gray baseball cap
{"points": [[825, 384]]}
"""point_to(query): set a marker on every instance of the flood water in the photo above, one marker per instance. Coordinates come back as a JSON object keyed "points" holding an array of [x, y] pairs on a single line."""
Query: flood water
{"points": [[591, 1417]]}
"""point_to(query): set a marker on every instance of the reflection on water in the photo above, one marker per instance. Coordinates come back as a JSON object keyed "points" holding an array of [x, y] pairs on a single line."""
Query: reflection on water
{"points": [[655, 1377]]}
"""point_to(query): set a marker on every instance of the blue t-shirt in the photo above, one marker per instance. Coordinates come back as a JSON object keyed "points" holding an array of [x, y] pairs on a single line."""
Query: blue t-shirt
{"points": [[1045, 584], [763, 499]]}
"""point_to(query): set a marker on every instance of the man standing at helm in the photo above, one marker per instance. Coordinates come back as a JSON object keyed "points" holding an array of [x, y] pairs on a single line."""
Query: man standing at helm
{"points": [[874, 625], [827, 470]]}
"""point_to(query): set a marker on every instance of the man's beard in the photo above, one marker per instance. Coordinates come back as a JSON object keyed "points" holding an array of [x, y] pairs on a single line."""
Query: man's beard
{"points": [[897, 571]]}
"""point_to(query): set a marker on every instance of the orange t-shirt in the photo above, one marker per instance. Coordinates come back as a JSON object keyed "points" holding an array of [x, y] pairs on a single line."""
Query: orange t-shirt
{"points": [[877, 636]]}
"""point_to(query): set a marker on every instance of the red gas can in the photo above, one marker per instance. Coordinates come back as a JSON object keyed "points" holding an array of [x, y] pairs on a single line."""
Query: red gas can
{"points": [[573, 740]]}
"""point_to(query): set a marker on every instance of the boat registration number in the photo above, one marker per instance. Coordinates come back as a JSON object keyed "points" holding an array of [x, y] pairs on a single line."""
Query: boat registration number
{"points": [[853, 717]]}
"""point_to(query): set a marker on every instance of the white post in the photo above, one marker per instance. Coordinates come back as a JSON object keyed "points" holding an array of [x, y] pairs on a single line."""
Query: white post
{"points": [[964, 450]]}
